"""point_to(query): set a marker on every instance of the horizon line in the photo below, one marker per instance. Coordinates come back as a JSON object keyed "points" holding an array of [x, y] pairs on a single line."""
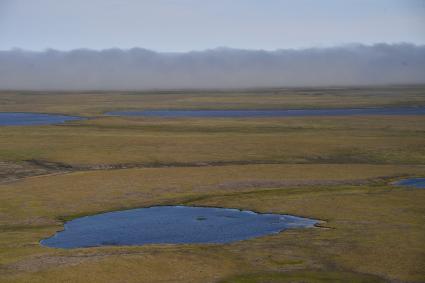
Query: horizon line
{"points": [[335, 46], [231, 89]]}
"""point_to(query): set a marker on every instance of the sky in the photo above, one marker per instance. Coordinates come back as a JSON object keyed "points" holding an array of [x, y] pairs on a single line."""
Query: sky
{"points": [[179, 44], [185, 25]]}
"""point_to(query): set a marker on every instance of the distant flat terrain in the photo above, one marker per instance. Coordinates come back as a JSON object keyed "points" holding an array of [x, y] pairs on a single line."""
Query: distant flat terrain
{"points": [[97, 103]]}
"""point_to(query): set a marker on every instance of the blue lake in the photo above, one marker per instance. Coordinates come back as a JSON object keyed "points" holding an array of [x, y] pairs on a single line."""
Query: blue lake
{"points": [[26, 119], [412, 182], [272, 113], [171, 225]]}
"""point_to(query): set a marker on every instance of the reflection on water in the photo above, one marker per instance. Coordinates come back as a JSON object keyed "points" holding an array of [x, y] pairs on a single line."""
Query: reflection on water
{"points": [[273, 113], [26, 119], [171, 224], [412, 182]]}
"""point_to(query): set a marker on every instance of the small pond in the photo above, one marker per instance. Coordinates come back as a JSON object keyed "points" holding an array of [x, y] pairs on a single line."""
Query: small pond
{"points": [[27, 119], [171, 225], [272, 113], [412, 182]]}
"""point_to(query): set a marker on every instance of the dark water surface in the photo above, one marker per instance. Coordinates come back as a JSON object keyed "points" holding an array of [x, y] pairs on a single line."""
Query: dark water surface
{"points": [[412, 182], [171, 224], [273, 113], [25, 119]]}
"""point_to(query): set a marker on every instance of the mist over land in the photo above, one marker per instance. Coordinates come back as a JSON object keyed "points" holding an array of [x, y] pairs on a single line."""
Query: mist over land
{"points": [[141, 69]]}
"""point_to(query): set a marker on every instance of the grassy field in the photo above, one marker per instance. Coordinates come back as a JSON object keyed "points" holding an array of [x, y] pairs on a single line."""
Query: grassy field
{"points": [[96, 103], [336, 169]]}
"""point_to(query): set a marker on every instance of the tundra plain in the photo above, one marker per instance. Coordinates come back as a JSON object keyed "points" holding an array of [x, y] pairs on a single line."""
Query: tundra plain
{"points": [[335, 169]]}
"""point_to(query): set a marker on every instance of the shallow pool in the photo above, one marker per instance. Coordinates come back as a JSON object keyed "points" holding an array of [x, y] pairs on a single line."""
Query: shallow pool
{"points": [[26, 119], [171, 225], [273, 113], [412, 182]]}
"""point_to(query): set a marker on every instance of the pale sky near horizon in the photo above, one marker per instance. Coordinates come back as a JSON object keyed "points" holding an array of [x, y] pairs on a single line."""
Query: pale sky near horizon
{"points": [[184, 25]]}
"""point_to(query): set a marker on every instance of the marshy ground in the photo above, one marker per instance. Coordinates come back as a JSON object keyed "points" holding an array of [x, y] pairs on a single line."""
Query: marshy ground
{"points": [[336, 169]]}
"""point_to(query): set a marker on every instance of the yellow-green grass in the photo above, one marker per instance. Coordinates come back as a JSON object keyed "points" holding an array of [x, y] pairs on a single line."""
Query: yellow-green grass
{"points": [[91, 192], [335, 169], [371, 229], [385, 139], [302, 276], [96, 103]]}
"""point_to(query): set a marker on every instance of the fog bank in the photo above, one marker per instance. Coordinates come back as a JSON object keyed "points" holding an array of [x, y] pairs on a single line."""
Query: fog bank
{"points": [[141, 69]]}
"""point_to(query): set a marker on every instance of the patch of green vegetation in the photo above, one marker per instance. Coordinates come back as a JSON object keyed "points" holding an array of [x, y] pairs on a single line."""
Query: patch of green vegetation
{"points": [[350, 140], [304, 276]]}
